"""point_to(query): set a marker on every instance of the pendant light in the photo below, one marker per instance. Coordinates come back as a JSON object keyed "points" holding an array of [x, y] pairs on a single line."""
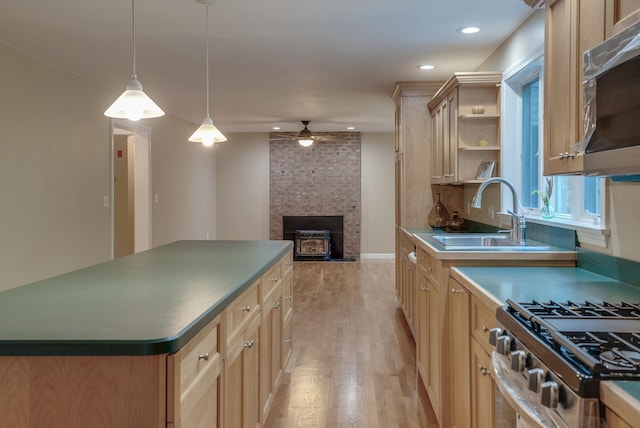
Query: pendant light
{"points": [[207, 133], [134, 104]]}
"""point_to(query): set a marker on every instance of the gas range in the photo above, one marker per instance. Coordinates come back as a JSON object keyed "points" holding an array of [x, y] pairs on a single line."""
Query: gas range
{"points": [[553, 356]]}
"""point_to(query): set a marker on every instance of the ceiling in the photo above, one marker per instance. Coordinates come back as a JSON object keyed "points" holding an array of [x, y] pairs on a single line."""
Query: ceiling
{"points": [[273, 63]]}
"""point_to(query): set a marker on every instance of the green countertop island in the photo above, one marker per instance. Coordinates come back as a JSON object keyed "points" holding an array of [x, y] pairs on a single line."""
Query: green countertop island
{"points": [[149, 303]]}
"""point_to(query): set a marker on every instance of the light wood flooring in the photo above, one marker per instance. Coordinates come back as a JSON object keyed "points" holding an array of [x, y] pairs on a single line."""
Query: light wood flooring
{"points": [[353, 361]]}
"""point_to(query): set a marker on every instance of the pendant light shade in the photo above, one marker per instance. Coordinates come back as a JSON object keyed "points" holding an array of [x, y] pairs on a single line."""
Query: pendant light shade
{"points": [[133, 104], [207, 133]]}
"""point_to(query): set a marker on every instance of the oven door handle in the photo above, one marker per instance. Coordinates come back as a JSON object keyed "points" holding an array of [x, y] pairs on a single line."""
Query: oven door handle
{"points": [[525, 403]]}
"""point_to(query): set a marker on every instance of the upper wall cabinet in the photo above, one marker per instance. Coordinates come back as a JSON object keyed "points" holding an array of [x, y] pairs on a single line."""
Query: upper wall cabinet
{"points": [[619, 14], [571, 27], [465, 116]]}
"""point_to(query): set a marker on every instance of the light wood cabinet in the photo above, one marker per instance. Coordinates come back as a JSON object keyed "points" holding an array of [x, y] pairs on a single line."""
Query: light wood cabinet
{"points": [[195, 381], [406, 287], [428, 332], [459, 300], [242, 378], [482, 387], [466, 126], [619, 14], [571, 27]]}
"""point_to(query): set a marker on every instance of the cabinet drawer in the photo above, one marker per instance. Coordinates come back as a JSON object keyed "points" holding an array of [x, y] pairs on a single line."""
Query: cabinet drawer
{"points": [[286, 265], [242, 310], [270, 280], [482, 319], [193, 381], [428, 264]]}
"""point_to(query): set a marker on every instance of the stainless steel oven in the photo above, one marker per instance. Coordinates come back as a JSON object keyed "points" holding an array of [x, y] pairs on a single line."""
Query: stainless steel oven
{"points": [[549, 358]]}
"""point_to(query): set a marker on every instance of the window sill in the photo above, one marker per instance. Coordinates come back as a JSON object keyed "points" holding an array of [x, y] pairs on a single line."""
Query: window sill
{"points": [[590, 234]]}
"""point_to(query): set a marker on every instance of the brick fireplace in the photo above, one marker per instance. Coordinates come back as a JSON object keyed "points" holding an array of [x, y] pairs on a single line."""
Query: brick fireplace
{"points": [[319, 181]]}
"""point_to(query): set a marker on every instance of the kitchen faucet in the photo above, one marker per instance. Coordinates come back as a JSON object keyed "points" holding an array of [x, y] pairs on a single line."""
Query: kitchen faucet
{"points": [[518, 224]]}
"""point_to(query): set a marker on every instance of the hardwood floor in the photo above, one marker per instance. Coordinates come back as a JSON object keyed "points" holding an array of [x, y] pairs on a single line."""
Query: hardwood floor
{"points": [[353, 361]]}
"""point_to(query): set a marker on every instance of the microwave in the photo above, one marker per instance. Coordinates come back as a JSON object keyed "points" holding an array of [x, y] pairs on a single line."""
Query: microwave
{"points": [[611, 85]]}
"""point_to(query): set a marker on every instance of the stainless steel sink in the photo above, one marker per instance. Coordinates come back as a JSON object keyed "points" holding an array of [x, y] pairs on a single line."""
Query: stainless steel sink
{"points": [[479, 241]]}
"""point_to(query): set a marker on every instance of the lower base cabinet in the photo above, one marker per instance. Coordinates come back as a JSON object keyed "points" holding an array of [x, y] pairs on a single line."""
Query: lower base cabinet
{"points": [[195, 381], [241, 379]]}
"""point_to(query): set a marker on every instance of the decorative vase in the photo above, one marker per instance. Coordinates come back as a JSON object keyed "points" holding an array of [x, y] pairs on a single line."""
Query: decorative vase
{"points": [[546, 211], [438, 216], [455, 224]]}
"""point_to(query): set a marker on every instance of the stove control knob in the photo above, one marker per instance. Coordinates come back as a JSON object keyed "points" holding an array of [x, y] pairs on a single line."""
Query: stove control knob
{"points": [[494, 333], [504, 345], [549, 394], [518, 360], [535, 378]]}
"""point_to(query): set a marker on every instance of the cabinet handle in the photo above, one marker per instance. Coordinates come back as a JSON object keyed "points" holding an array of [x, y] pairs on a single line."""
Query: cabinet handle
{"points": [[485, 329], [449, 175], [567, 155], [249, 344], [246, 309], [483, 370], [424, 289], [204, 356], [276, 305], [288, 297], [430, 269], [287, 341], [436, 176], [454, 291], [274, 279]]}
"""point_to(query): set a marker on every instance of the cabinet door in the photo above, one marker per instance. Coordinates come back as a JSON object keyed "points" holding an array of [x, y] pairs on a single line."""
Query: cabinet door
{"points": [[194, 381], [459, 303], [434, 348], [271, 350], [437, 151], [571, 27], [482, 388], [422, 332], [620, 14], [450, 150], [242, 378]]}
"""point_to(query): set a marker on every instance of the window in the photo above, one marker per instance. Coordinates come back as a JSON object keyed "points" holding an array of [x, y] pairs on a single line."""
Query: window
{"points": [[575, 199]]}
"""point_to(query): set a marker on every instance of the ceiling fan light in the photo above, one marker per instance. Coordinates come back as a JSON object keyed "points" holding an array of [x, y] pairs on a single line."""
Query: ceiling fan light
{"points": [[305, 142], [207, 134]]}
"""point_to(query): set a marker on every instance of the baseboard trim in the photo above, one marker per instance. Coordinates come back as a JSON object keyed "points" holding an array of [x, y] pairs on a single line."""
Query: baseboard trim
{"points": [[378, 256]]}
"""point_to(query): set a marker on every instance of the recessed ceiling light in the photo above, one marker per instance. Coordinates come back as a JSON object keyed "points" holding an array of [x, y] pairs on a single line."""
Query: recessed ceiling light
{"points": [[276, 128], [468, 30], [350, 128], [426, 67]]}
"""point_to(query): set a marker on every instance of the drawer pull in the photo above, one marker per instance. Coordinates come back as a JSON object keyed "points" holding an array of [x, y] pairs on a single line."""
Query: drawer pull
{"points": [[288, 297], [274, 279], [276, 305], [246, 309], [249, 344], [455, 291], [485, 329], [204, 356], [483, 370], [424, 289], [430, 269], [287, 341]]}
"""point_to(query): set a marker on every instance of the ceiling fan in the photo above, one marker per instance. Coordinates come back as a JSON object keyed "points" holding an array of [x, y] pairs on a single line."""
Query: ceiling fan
{"points": [[305, 137]]}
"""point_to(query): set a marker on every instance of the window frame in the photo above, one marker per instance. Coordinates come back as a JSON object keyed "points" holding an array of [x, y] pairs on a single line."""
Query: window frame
{"points": [[593, 230]]}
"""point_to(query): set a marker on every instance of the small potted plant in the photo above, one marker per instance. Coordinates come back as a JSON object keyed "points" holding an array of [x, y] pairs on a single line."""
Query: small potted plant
{"points": [[546, 211]]}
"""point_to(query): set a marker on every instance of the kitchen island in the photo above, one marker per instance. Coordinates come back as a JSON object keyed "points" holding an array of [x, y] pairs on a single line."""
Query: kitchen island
{"points": [[104, 345]]}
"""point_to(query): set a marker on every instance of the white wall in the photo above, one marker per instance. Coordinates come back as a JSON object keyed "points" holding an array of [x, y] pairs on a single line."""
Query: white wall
{"points": [[242, 177], [54, 173], [377, 224], [242, 174]]}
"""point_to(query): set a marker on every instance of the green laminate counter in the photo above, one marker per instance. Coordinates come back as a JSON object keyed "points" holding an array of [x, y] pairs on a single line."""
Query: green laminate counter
{"points": [[495, 285], [149, 303]]}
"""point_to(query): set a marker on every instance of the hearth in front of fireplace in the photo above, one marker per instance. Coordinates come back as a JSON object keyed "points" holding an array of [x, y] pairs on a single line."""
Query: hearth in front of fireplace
{"points": [[312, 245]]}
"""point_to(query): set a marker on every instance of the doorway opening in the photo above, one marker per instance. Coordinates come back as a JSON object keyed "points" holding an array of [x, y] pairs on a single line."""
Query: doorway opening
{"points": [[130, 188]]}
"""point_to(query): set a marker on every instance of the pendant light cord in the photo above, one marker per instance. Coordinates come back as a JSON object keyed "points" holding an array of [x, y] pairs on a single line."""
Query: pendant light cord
{"points": [[207, 54], [133, 39]]}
